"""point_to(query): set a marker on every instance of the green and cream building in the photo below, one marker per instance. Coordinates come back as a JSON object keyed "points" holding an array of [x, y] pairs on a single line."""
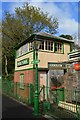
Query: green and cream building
{"points": [[52, 53]]}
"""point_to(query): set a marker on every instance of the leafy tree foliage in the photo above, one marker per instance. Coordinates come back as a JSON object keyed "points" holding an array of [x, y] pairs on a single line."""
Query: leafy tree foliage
{"points": [[67, 36], [19, 26], [74, 46]]}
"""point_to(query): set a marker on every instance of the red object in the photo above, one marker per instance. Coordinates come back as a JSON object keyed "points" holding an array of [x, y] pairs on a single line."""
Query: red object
{"points": [[61, 87], [77, 66], [54, 87]]}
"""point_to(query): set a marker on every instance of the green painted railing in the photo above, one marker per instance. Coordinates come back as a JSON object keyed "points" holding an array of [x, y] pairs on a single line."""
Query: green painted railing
{"points": [[13, 89], [26, 95]]}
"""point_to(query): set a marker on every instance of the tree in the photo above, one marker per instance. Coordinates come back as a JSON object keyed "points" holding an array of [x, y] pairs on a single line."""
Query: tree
{"points": [[76, 39], [67, 36], [74, 46], [19, 26]]}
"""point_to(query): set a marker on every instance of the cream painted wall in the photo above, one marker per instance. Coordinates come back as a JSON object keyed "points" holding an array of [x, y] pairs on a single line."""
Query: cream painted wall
{"points": [[46, 57], [30, 56]]}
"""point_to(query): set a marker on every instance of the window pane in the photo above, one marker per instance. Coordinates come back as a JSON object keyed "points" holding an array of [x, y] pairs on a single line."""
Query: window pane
{"points": [[58, 47], [25, 48], [46, 45], [42, 45], [49, 45], [22, 81], [30, 46], [22, 50]]}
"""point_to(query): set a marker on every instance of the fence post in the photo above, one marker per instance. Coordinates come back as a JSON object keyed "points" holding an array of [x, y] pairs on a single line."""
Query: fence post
{"points": [[12, 87], [78, 114], [7, 86], [43, 93], [56, 97], [61, 92], [16, 89]]}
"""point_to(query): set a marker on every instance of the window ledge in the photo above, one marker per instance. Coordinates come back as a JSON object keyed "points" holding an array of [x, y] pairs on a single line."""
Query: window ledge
{"points": [[46, 51], [58, 53]]}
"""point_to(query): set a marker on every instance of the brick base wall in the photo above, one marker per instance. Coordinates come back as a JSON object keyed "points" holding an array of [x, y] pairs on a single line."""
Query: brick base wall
{"points": [[29, 76]]}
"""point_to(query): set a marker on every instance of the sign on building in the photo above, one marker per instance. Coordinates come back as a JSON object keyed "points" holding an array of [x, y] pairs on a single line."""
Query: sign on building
{"points": [[23, 62]]}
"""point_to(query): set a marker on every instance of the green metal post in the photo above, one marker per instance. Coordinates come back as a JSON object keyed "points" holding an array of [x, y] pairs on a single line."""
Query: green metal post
{"points": [[31, 94], [36, 95], [47, 86], [43, 93]]}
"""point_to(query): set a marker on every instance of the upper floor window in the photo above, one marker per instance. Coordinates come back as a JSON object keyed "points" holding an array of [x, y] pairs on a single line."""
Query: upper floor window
{"points": [[58, 47], [49, 45], [25, 48], [42, 45], [22, 50], [30, 46]]}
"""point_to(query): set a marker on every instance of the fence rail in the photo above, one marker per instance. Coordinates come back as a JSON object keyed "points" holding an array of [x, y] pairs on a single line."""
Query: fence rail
{"points": [[13, 89], [67, 99]]}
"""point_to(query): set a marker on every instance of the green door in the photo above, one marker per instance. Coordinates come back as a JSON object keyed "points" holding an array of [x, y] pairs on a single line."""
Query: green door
{"points": [[60, 94]]}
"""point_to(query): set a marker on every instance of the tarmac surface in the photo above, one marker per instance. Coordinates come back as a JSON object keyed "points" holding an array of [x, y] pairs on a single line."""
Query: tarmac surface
{"points": [[12, 109]]}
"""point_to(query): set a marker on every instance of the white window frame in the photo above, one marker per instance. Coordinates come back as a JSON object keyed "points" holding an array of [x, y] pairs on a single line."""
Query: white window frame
{"points": [[42, 45], [21, 81], [59, 47], [22, 50], [49, 45], [30, 46]]}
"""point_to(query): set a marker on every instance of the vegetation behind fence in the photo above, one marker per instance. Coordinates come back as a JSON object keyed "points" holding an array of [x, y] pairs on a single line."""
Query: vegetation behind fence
{"points": [[26, 95]]}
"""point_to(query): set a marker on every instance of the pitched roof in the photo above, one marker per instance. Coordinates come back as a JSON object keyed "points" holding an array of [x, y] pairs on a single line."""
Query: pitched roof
{"points": [[52, 36], [42, 35]]}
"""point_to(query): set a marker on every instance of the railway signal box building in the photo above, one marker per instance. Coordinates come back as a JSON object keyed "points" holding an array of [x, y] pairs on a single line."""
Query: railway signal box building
{"points": [[52, 54]]}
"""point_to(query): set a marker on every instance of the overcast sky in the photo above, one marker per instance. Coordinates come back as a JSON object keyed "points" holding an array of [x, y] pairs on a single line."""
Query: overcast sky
{"points": [[66, 12]]}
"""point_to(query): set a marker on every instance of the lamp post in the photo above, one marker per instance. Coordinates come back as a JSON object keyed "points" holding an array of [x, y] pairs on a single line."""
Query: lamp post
{"points": [[36, 45]]}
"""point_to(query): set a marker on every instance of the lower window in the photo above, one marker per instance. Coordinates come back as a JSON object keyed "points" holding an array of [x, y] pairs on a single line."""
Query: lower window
{"points": [[22, 81]]}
